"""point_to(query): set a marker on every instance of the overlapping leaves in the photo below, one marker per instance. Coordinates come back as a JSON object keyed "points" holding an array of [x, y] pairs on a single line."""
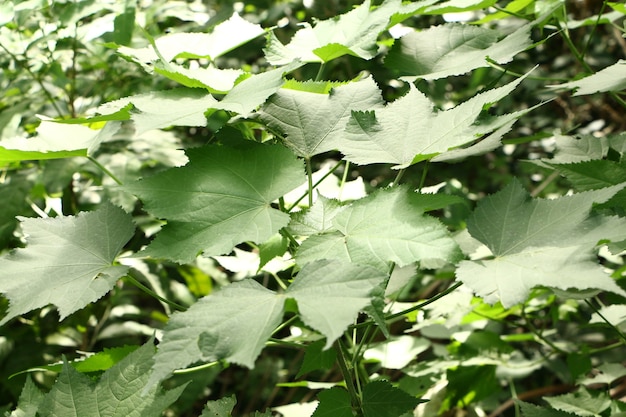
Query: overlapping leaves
{"points": [[235, 323], [539, 243]]}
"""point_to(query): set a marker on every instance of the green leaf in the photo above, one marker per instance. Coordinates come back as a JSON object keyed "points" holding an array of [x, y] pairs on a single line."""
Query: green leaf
{"points": [[407, 130], [581, 403], [381, 399], [388, 226], [56, 140], [316, 358], [219, 408], [117, 393], [216, 80], [330, 295], [225, 37], [593, 174], [313, 123], [453, 49], [611, 78], [531, 410], [29, 401], [234, 323], [227, 202], [539, 243], [354, 33], [71, 257], [160, 109], [334, 402], [458, 6], [124, 24], [605, 373], [276, 246], [317, 219]]}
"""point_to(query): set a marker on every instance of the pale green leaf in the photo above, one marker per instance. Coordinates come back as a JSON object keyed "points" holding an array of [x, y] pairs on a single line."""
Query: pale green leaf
{"points": [[381, 399], [539, 243], [253, 91], [56, 140], [605, 373], [407, 130], [611, 78], [514, 7], [313, 123], [317, 219], [219, 408], [214, 79], [458, 6], [333, 402], [354, 33], [330, 295], [218, 200], [388, 226], [71, 257], [159, 109], [575, 149], [453, 49], [225, 37], [581, 403], [29, 401], [118, 392], [231, 324]]}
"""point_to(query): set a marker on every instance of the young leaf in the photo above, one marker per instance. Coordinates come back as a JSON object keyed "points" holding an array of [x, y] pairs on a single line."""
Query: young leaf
{"points": [[334, 402], [407, 130], [117, 393], [453, 49], [381, 399], [312, 123], [611, 78], [539, 243], [354, 33], [221, 198], [71, 257], [388, 226]]}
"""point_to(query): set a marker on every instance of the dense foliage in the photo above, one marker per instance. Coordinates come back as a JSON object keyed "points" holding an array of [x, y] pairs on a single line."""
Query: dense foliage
{"points": [[312, 209]]}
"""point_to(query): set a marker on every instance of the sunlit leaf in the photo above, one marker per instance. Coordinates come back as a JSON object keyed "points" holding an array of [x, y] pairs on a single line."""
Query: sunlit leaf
{"points": [[611, 78]]}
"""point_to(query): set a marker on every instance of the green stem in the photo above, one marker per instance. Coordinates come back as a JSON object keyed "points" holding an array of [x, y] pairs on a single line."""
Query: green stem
{"points": [[593, 29], [538, 334], [425, 303], [347, 377], [148, 291], [320, 71], [196, 368], [105, 170], [344, 179], [398, 177], [333, 169], [309, 176], [423, 179]]}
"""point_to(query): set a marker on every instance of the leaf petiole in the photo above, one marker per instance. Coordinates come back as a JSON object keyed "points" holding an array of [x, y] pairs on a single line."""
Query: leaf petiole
{"points": [[148, 291]]}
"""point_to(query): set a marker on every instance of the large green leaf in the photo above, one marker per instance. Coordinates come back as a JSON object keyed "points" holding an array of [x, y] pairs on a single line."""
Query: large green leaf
{"points": [[221, 198], [611, 78], [354, 33], [312, 123], [118, 393], [388, 226], [408, 131], [539, 243], [453, 49], [68, 261], [234, 323]]}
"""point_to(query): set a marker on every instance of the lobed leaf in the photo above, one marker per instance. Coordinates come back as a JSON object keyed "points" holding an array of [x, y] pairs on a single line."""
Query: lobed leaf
{"points": [[71, 257], [221, 198]]}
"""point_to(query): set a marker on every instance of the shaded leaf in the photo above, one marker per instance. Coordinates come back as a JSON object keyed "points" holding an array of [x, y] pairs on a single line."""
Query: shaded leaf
{"points": [[71, 257], [334, 402], [221, 198], [381, 399], [316, 358], [531, 410], [313, 123], [219, 408], [29, 401], [539, 243]]}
